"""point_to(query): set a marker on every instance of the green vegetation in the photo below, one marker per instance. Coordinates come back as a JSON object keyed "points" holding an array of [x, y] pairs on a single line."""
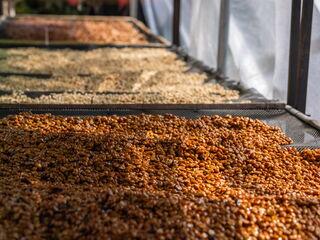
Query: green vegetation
{"points": [[45, 7]]}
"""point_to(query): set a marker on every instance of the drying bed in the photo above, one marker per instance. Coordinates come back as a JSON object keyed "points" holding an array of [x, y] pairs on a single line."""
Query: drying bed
{"points": [[155, 177], [304, 132], [171, 74], [216, 94], [38, 30], [68, 61]]}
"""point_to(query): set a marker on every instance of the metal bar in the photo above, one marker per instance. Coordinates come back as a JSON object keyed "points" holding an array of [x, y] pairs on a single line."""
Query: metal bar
{"points": [[304, 55], [77, 46], [223, 37], [39, 93], [294, 55], [306, 119], [193, 107], [147, 31], [176, 23], [26, 74]]}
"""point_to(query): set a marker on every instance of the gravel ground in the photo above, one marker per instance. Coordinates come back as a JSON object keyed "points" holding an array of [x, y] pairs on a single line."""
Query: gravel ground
{"points": [[154, 177]]}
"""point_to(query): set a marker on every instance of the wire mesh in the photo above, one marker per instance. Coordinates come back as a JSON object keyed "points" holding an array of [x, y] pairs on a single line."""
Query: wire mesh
{"points": [[302, 134]]}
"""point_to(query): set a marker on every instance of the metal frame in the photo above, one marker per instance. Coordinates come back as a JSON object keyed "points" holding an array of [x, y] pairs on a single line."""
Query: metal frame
{"points": [[300, 41], [223, 33], [190, 107], [303, 117]]}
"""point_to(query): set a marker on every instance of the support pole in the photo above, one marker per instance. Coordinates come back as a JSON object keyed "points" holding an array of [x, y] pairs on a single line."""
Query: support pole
{"points": [[304, 55], [223, 37], [134, 8], [300, 42], [176, 23], [294, 54]]}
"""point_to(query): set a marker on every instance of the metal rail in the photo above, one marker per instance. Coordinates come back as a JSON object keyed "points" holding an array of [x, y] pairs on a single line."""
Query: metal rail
{"points": [[300, 41], [303, 117], [191, 107]]}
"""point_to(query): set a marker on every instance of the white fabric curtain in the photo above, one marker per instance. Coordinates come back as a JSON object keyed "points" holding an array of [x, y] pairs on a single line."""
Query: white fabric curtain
{"points": [[259, 37]]}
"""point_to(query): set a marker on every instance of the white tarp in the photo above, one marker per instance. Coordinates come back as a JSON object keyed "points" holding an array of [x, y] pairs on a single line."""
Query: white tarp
{"points": [[259, 37]]}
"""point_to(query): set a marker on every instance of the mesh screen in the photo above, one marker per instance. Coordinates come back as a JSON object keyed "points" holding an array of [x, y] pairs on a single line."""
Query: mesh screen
{"points": [[302, 134]]}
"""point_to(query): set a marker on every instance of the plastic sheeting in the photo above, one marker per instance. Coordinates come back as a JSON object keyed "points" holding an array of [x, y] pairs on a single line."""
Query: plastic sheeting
{"points": [[259, 37]]}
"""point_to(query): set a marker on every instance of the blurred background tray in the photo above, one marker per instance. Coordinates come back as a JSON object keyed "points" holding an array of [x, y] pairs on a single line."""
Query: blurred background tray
{"points": [[152, 39]]}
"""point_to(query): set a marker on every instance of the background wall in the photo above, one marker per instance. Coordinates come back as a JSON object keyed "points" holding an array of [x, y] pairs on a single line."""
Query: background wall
{"points": [[258, 43]]}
